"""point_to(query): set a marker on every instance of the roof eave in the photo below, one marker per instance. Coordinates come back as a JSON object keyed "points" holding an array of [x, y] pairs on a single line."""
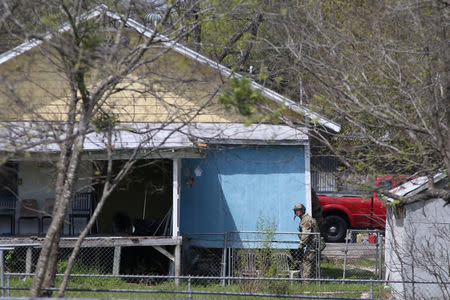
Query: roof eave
{"points": [[24, 47]]}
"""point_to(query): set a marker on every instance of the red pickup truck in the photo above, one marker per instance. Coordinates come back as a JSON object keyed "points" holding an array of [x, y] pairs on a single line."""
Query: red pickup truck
{"points": [[342, 211]]}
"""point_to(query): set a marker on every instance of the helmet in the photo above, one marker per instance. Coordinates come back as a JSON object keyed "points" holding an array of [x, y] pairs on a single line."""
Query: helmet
{"points": [[299, 206]]}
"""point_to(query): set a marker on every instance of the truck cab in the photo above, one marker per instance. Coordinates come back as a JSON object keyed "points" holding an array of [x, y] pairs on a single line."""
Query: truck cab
{"points": [[343, 210]]}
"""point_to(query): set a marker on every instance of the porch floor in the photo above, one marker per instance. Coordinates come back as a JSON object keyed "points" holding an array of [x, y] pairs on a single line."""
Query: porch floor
{"points": [[92, 241]]}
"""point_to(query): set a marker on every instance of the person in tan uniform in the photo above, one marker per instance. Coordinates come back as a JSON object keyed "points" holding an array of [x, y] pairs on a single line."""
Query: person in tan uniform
{"points": [[308, 242]]}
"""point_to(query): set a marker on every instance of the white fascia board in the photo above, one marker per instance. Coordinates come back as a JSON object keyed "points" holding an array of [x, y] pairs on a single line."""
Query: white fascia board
{"points": [[24, 47], [255, 142], [4, 57], [237, 131], [154, 136]]}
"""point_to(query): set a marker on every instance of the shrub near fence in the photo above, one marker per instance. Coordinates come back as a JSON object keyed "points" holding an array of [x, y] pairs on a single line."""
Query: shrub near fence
{"points": [[261, 254]]}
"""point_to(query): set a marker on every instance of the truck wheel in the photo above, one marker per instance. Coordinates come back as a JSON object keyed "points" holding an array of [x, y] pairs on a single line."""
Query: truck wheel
{"points": [[335, 228]]}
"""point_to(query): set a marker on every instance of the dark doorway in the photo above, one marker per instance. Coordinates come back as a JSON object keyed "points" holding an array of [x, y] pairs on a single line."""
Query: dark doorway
{"points": [[8, 197], [141, 204], [8, 180]]}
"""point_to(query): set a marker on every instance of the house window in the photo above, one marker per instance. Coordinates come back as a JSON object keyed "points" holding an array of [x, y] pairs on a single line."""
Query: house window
{"points": [[323, 174], [327, 176]]}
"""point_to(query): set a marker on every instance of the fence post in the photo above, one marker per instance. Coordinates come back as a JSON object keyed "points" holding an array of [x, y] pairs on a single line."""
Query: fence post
{"points": [[319, 255], [2, 266], [230, 258], [28, 260], [189, 287], [345, 254], [371, 289], [116, 262], [8, 285], [224, 258], [381, 255], [177, 263], [376, 259]]}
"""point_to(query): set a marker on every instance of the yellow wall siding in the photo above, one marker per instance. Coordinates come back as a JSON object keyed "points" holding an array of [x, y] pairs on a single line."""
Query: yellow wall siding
{"points": [[28, 83], [170, 88]]}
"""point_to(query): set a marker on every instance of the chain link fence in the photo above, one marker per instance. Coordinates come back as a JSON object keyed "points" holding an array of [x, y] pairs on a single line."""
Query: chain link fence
{"points": [[364, 254], [246, 263], [197, 287], [93, 260], [23, 259], [251, 253], [244, 253], [205, 254], [268, 254]]}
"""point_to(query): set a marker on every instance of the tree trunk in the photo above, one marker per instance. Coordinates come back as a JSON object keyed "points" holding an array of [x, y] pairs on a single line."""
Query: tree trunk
{"points": [[46, 265], [110, 185], [51, 240], [83, 234], [251, 25], [49, 279]]}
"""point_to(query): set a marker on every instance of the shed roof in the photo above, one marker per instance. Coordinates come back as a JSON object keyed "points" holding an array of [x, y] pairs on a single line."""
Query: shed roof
{"points": [[270, 94], [414, 186]]}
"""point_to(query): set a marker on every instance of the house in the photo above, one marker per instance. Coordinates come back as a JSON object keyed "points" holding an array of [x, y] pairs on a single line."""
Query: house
{"points": [[418, 243], [200, 170]]}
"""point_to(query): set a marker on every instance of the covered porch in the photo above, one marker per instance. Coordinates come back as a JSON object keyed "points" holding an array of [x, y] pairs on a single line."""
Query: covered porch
{"points": [[144, 204], [143, 212]]}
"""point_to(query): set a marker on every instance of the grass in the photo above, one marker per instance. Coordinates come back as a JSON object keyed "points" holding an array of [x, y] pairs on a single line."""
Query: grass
{"points": [[330, 268], [355, 269], [269, 287]]}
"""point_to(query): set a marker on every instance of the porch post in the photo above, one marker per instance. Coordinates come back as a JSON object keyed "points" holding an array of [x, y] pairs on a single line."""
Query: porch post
{"points": [[177, 263], [308, 178], [176, 197], [176, 215], [28, 259], [116, 260]]}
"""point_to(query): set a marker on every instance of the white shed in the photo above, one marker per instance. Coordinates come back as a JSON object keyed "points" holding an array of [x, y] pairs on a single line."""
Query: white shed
{"points": [[418, 243]]}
